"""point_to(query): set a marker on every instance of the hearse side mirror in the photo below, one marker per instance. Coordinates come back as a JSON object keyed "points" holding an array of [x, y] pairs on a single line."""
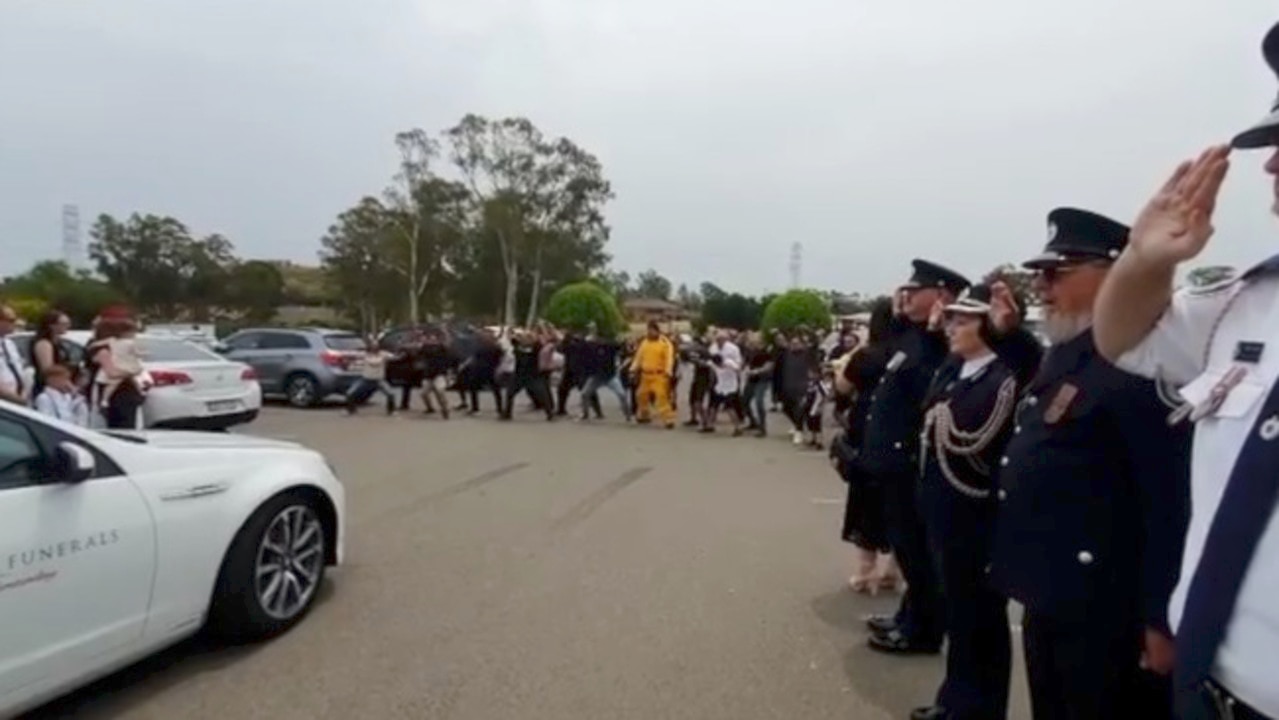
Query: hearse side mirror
{"points": [[74, 463]]}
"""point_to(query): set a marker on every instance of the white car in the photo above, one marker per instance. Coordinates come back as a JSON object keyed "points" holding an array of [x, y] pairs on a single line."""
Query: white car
{"points": [[114, 545], [195, 388]]}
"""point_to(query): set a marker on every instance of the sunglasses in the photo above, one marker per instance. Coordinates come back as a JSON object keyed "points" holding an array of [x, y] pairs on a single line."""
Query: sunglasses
{"points": [[1054, 273]]}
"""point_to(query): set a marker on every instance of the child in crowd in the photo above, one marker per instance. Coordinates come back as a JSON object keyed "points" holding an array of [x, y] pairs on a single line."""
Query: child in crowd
{"points": [[60, 398], [821, 380]]}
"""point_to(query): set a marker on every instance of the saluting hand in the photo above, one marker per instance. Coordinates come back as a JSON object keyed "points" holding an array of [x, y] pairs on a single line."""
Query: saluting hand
{"points": [[1177, 222], [1004, 313], [936, 315]]}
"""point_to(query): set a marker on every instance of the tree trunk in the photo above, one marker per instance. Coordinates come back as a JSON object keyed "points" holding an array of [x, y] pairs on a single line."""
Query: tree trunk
{"points": [[512, 294], [412, 278], [534, 296]]}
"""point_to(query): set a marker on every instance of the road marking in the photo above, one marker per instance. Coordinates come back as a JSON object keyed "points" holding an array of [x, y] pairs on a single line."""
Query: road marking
{"points": [[472, 483], [584, 509]]}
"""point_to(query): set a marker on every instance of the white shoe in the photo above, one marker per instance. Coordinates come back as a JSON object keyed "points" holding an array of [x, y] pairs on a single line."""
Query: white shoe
{"points": [[797, 437]]}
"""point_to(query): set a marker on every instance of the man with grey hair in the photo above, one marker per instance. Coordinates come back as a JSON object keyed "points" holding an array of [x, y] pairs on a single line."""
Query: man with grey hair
{"points": [[1092, 502]]}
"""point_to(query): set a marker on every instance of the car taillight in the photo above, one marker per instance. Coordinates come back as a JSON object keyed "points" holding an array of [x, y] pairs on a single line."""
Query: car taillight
{"points": [[332, 359], [248, 374], [166, 378]]}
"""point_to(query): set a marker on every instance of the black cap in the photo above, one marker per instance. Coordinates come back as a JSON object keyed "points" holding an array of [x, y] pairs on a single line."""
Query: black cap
{"points": [[973, 301], [1075, 235], [928, 274], [1266, 132]]}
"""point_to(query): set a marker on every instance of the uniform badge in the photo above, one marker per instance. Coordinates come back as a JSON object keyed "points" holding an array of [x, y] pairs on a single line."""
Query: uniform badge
{"points": [[1060, 403], [1249, 352], [1269, 429], [896, 361], [1052, 231]]}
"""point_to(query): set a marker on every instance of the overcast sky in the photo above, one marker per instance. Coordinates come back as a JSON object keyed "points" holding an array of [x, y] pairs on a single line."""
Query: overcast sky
{"points": [[871, 131]]}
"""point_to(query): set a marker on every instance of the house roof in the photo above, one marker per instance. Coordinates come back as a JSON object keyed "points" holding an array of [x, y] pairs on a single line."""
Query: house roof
{"points": [[651, 304]]}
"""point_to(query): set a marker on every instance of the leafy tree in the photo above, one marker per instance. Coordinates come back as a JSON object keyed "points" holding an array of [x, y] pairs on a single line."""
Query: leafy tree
{"points": [[578, 305], [144, 258], [30, 309], [688, 299], [1019, 280], [616, 282], [255, 289], [797, 308], [530, 193], [351, 253], [727, 310], [651, 284], [78, 294]]}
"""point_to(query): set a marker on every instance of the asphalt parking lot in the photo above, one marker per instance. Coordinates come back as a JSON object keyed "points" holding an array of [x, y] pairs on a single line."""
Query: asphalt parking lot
{"points": [[533, 571]]}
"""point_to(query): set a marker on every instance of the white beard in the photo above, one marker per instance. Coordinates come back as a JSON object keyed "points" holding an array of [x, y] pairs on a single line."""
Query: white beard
{"points": [[1061, 328]]}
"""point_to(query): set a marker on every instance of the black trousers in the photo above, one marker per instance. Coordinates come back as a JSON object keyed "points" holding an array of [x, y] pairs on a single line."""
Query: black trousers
{"points": [[1087, 669], [920, 615], [536, 387], [978, 642]]}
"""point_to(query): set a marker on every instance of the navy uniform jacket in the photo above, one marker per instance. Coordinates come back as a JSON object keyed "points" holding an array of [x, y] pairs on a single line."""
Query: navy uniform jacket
{"points": [[890, 438], [1094, 493], [957, 513]]}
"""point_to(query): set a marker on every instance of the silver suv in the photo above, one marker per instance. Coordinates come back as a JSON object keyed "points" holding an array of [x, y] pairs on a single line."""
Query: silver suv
{"points": [[305, 365]]}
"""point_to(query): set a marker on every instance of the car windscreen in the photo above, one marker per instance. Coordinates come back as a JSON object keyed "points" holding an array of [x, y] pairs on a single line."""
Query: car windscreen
{"points": [[166, 350], [345, 343]]}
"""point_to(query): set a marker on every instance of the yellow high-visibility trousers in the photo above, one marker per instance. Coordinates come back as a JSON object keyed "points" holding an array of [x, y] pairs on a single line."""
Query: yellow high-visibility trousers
{"points": [[654, 387]]}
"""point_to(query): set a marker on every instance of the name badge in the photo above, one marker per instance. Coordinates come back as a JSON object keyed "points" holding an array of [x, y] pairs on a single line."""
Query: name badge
{"points": [[1060, 403], [1249, 352], [1221, 390], [896, 361]]}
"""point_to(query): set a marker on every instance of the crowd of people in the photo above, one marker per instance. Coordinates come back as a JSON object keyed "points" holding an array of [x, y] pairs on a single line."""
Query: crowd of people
{"points": [[741, 376], [106, 389]]}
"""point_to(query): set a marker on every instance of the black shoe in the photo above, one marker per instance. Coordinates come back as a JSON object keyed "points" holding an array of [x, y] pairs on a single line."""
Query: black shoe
{"points": [[706, 430], [932, 712], [896, 643], [691, 423], [881, 624]]}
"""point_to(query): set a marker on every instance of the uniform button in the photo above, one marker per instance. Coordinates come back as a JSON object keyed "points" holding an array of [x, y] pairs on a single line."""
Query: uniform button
{"points": [[1032, 401], [1085, 557], [986, 569], [1017, 430], [1003, 494], [1003, 461], [869, 416], [897, 446]]}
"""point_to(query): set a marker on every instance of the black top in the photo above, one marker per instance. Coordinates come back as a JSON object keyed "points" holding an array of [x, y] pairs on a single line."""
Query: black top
{"points": [[601, 358], [577, 357], [487, 357], [437, 359], [896, 408], [796, 367], [60, 357], [526, 358], [1094, 493], [863, 371]]}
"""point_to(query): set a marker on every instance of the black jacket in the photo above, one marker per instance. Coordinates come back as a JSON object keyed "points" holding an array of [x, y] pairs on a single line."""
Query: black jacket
{"points": [[1093, 494], [895, 415]]}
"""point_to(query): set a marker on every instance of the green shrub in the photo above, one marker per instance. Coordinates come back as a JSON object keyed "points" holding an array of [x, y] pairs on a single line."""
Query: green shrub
{"points": [[574, 307], [796, 308]]}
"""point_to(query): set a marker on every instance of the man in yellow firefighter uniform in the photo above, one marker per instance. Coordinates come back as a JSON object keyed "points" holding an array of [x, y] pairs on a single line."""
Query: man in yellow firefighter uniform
{"points": [[653, 369]]}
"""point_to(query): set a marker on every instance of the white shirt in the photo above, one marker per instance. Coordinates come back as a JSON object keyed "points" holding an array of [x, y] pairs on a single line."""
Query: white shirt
{"points": [[66, 406], [972, 367], [1181, 348], [373, 365], [728, 376], [11, 362]]}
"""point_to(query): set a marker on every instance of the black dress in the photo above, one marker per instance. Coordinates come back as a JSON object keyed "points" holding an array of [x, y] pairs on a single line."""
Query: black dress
{"points": [[864, 508]]}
